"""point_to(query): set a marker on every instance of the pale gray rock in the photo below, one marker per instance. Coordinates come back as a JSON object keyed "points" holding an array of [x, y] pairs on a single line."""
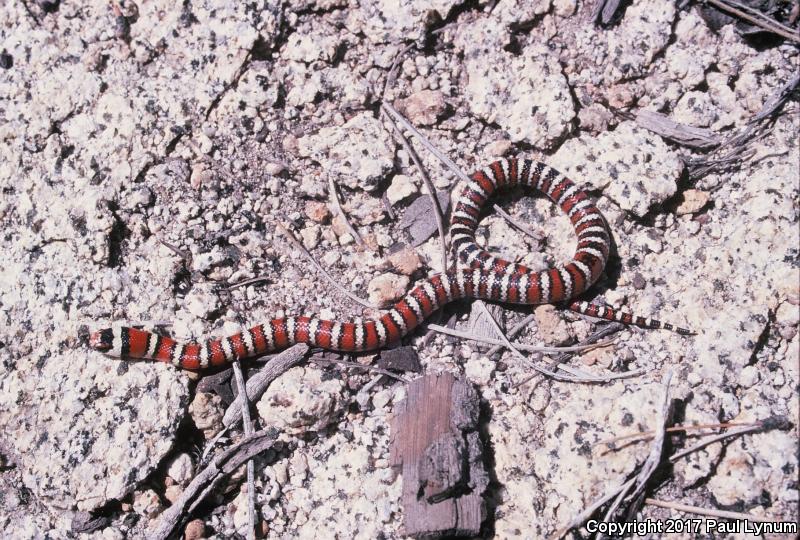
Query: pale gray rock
{"points": [[317, 43], [181, 468], [358, 154], [300, 401], [521, 11], [695, 109], [527, 95], [693, 53], [386, 288], [632, 166], [401, 188], [207, 411], [641, 35], [387, 21]]}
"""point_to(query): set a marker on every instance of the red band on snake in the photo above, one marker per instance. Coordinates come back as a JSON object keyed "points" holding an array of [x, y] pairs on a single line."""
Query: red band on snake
{"points": [[480, 275]]}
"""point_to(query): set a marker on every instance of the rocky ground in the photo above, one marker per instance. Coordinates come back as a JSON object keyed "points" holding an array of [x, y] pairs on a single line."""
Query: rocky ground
{"points": [[147, 152]]}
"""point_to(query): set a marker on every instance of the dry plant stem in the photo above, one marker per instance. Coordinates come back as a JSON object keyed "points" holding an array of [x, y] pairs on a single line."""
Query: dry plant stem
{"points": [[758, 19], [581, 377], [713, 439], [207, 480], [707, 511], [640, 480], [390, 78], [437, 209], [244, 405], [653, 458], [656, 449], [176, 251], [426, 143], [588, 342], [319, 268], [518, 346], [259, 381], [737, 142], [648, 434], [586, 514], [512, 333], [777, 99], [355, 365], [213, 442], [337, 206], [538, 236]]}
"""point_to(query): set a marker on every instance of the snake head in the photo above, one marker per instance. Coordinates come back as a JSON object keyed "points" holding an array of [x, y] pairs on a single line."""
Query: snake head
{"points": [[102, 340]]}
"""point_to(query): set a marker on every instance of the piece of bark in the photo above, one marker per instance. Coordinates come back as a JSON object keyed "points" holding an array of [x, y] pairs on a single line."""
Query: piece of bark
{"points": [[400, 359], [208, 480], [693, 137], [435, 443], [219, 384]]}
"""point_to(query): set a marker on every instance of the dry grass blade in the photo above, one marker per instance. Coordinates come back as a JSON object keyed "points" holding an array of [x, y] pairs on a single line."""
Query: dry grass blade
{"points": [[426, 143], [319, 268], [648, 434], [775, 422], [355, 365], [512, 333], [707, 511], [757, 18], [437, 209], [246, 282], [579, 377], [657, 448], [650, 464], [395, 67], [244, 405], [183, 255], [588, 342], [737, 144], [518, 346]]}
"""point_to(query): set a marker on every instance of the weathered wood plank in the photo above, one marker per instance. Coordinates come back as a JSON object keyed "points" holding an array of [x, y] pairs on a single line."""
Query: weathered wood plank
{"points": [[436, 445]]}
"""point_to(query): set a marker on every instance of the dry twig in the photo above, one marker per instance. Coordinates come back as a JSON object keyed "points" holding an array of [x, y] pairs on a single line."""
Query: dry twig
{"points": [[518, 346], [319, 268], [579, 376], [356, 365], [512, 333], [259, 382], [775, 422], [337, 207], [757, 18], [207, 481], [648, 434], [437, 209], [244, 405], [590, 340], [536, 235], [737, 143], [707, 511], [426, 143]]}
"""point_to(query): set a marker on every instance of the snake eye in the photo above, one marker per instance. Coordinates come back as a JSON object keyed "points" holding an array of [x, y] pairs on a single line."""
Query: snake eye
{"points": [[102, 340]]}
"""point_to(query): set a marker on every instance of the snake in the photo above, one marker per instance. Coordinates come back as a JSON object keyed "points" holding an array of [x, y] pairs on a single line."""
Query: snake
{"points": [[477, 274]]}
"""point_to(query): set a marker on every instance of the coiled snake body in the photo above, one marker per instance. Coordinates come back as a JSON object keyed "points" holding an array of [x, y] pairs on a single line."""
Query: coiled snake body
{"points": [[481, 275]]}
